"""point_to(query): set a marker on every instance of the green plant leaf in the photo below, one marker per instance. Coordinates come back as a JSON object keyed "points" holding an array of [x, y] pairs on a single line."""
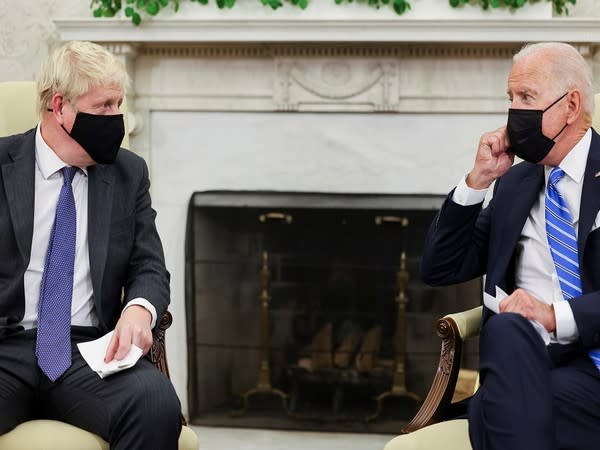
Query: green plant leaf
{"points": [[152, 8], [109, 8]]}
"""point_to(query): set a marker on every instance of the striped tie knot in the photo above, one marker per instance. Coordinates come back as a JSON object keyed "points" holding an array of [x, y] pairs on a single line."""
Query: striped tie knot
{"points": [[555, 176]]}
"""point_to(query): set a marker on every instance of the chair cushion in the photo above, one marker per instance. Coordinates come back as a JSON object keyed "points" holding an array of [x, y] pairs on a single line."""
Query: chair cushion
{"points": [[188, 439], [53, 435], [50, 435], [449, 435]]}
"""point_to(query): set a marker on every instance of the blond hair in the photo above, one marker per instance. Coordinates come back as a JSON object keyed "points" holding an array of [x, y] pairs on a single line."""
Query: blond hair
{"points": [[75, 68], [568, 69]]}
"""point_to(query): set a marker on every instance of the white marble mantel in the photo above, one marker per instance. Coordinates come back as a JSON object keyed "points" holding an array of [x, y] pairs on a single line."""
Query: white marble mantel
{"points": [[330, 30], [227, 102]]}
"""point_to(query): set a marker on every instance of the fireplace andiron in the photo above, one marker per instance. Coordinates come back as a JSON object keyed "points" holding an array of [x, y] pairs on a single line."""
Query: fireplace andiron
{"points": [[263, 385], [398, 388]]}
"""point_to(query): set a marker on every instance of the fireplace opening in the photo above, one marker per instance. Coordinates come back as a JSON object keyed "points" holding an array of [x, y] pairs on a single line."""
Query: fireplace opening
{"points": [[306, 311]]}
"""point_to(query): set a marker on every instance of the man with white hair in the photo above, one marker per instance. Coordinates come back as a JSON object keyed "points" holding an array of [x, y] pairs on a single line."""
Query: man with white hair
{"points": [[80, 256], [538, 241]]}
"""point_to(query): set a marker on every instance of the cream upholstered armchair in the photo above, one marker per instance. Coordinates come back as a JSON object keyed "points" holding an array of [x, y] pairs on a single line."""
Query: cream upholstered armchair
{"points": [[18, 113], [428, 429]]}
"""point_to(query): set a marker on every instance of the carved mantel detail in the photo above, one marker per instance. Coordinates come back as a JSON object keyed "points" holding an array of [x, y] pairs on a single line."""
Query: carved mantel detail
{"points": [[309, 83]]}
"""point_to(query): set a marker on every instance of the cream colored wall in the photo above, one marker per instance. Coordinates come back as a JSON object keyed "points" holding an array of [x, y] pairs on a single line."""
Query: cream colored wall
{"points": [[27, 33]]}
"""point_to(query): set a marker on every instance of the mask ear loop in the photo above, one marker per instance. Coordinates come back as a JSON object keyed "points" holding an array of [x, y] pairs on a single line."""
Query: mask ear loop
{"points": [[555, 101], [61, 125], [550, 106], [561, 130]]}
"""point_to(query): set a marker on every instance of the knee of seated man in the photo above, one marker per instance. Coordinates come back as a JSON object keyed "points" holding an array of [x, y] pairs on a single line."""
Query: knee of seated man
{"points": [[504, 322], [154, 394]]}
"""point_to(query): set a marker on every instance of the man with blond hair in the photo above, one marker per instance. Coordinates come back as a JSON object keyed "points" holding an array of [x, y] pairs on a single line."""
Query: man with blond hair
{"points": [[538, 242], [81, 257]]}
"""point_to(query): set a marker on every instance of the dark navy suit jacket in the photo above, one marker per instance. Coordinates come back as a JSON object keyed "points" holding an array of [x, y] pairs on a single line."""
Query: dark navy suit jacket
{"points": [[126, 256], [465, 242]]}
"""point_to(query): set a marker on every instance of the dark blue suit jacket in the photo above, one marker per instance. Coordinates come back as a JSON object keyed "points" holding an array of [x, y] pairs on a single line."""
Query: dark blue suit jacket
{"points": [[465, 242], [126, 256]]}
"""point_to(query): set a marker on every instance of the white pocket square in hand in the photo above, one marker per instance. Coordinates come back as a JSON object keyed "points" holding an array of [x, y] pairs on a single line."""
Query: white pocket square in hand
{"points": [[493, 303], [94, 351]]}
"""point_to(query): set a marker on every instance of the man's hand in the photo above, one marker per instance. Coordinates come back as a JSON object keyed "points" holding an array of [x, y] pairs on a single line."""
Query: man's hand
{"points": [[528, 306], [492, 159], [132, 328]]}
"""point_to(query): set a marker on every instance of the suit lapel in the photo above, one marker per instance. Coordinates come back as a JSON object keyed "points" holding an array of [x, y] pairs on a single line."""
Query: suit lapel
{"points": [[515, 206], [19, 185], [100, 200], [590, 195]]}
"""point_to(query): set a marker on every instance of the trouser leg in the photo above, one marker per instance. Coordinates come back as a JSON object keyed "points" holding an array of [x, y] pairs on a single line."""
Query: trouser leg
{"points": [[576, 396], [513, 409], [133, 409], [18, 378]]}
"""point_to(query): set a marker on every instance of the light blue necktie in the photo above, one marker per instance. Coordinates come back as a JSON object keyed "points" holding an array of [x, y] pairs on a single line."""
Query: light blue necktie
{"points": [[53, 345], [562, 241]]}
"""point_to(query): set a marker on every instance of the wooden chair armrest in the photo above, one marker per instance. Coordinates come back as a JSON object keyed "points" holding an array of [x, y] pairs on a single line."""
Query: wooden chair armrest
{"points": [[158, 354], [451, 329]]}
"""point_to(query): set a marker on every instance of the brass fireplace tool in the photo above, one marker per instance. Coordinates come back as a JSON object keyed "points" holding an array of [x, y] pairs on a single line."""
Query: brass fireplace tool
{"points": [[263, 385], [398, 388]]}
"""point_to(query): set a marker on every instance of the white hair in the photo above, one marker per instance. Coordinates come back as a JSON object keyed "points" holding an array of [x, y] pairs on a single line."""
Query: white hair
{"points": [[568, 69]]}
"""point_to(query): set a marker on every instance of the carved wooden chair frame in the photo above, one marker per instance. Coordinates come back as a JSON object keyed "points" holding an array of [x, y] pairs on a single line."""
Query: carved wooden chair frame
{"points": [[157, 354], [434, 408]]}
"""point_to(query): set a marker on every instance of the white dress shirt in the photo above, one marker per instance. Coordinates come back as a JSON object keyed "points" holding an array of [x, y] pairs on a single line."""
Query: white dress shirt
{"points": [[535, 272], [48, 183]]}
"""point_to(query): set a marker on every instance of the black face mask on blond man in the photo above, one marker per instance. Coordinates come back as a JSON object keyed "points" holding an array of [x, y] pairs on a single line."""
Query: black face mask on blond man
{"points": [[99, 135], [524, 129]]}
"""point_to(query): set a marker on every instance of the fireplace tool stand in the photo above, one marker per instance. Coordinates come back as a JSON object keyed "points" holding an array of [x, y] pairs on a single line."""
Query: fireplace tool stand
{"points": [[398, 388], [263, 385]]}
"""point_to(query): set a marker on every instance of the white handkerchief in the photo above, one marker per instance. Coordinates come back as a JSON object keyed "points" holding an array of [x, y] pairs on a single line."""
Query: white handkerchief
{"points": [[493, 303], [93, 352]]}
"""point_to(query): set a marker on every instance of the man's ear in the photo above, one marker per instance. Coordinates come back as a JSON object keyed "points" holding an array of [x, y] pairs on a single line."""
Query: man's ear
{"points": [[57, 104], [575, 105]]}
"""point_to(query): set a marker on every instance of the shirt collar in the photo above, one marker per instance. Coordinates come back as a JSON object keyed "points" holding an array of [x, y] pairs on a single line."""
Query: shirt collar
{"points": [[47, 160], [573, 164]]}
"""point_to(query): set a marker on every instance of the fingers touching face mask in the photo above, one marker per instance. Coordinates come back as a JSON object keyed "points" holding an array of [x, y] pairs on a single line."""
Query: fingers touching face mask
{"points": [[99, 135], [524, 128]]}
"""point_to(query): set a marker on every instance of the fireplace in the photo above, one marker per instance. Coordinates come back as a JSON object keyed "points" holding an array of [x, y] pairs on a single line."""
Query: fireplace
{"points": [[293, 305]]}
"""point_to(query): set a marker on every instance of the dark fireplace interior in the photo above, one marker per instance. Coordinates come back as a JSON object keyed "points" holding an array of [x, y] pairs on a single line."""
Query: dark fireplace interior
{"points": [[304, 308]]}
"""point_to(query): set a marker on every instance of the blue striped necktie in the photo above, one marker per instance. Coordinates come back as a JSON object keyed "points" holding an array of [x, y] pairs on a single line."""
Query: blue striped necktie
{"points": [[562, 241], [53, 344]]}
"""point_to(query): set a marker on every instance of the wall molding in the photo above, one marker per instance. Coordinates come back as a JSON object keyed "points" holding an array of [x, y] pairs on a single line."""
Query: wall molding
{"points": [[320, 50], [343, 30]]}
